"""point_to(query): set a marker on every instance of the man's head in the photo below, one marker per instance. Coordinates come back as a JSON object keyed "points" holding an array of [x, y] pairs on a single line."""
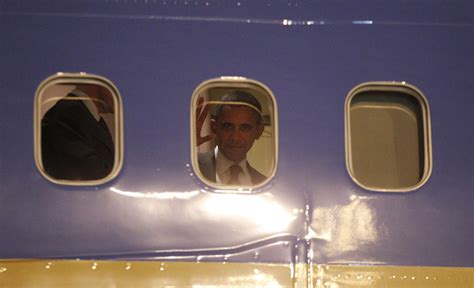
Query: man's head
{"points": [[237, 123]]}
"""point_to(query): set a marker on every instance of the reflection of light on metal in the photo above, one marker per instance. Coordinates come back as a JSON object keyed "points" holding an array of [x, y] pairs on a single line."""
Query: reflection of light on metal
{"points": [[345, 228], [260, 209], [157, 195], [355, 197], [366, 22], [312, 234], [233, 78], [259, 276], [259, 279], [310, 254], [233, 191]]}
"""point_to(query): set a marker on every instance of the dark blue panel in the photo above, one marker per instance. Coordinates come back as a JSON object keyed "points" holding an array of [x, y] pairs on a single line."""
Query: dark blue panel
{"points": [[156, 206]]}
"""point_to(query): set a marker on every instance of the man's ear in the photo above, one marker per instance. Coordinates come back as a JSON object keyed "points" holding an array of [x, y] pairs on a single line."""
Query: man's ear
{"points": [[260, 129], [213, 126]]}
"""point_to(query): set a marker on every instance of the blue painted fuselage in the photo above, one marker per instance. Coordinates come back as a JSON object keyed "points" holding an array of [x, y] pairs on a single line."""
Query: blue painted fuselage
{"points": [[310, 54]]}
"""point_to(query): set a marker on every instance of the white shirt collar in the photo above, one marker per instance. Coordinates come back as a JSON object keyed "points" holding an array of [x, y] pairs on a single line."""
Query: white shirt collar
{"points": [[223, 172]]}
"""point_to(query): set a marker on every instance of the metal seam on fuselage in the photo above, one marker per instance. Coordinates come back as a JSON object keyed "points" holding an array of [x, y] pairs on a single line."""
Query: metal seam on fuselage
{"points": [[283, 22]]}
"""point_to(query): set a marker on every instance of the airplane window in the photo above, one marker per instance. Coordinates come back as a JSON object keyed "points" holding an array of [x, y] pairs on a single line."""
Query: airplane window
{"points": [[78, 129], [234, 125], [388, 138]]}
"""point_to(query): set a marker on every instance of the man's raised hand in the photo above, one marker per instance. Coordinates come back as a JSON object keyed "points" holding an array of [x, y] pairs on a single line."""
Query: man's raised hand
{"points": [[202, 111]]}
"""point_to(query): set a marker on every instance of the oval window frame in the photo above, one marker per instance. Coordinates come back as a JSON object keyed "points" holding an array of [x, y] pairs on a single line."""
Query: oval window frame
{"points": [[79, 78], [400, 87], [232, 82]]}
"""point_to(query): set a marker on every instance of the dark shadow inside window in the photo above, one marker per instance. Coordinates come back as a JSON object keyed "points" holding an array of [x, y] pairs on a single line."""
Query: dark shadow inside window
{"points": [[77, 131]]}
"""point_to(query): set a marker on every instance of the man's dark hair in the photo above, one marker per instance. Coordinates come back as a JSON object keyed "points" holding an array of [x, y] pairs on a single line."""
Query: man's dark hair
{"points": [[239, 96]]}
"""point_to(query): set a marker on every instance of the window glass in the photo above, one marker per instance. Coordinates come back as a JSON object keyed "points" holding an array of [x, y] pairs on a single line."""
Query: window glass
{"points": [[78, 129], [234, 133], [387, 137]]}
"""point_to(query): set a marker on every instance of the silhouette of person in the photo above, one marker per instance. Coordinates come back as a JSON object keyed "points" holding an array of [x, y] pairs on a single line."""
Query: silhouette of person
{"points": [[77, 135]]}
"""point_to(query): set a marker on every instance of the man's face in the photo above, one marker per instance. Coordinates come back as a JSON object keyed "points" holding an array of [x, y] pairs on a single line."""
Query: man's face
{"points": [[236, 129]]}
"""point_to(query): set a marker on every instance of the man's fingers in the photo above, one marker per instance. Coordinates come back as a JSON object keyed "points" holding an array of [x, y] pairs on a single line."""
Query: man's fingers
{"points": [[200, 101], [201, 115], [209, 137], [205, 139], [204, 113], [198, 107]]}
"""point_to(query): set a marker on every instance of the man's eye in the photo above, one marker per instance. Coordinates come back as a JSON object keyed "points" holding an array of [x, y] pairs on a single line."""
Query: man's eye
{"points": [[245, 127], [226, 126]]}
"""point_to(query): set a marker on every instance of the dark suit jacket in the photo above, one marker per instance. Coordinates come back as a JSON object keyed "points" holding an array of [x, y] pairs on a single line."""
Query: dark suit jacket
{"points": [[207, 165], [74, 145]]}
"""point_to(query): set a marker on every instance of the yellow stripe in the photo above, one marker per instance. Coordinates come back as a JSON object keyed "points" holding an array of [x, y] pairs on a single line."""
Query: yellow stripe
{"points": [[81, 273], [92, 274], [392, 276]]}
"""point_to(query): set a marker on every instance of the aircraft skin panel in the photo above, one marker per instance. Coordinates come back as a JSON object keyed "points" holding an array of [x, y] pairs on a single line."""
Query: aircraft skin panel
{"points": [[310, 54]]}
